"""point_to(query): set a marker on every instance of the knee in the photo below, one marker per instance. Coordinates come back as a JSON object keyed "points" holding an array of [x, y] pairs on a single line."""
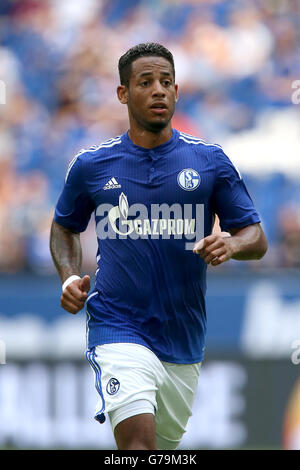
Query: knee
{"points": [[138, 443]]}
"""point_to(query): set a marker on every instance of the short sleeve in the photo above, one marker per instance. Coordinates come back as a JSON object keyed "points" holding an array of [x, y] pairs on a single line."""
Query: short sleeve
{"points": [[231, 200], [74, 207]]}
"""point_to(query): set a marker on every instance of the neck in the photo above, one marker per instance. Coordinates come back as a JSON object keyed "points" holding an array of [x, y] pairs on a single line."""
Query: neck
{"points": [[148, 139]]}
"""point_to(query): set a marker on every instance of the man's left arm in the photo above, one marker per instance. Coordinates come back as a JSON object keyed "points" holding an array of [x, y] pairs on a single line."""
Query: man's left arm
{"points": [[246, 243]]}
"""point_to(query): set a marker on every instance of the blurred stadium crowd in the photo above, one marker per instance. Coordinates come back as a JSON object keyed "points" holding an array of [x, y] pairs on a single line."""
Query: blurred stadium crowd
{"points": [[58, 59]]}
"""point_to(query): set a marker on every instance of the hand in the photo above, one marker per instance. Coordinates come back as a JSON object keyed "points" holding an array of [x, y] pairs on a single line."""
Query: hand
{"points": [[215, 249], [75, 295]]}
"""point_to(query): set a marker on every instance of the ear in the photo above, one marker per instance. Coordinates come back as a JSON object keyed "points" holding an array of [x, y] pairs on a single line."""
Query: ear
{"points": [[176, 93], [122, 93]]}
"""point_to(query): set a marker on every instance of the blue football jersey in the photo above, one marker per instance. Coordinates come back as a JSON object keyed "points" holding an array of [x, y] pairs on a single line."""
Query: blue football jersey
{"points": [[150, 207]]}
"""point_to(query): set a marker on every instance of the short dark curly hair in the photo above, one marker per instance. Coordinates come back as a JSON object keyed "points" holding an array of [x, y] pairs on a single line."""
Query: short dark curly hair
{"points": [[142, 50]]}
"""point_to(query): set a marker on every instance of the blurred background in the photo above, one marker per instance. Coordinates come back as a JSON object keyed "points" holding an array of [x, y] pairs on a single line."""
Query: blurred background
{"points": [[238, 70]]}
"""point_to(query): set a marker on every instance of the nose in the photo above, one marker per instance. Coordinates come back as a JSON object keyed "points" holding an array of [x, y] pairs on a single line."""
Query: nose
{"points": [[158, 89]]}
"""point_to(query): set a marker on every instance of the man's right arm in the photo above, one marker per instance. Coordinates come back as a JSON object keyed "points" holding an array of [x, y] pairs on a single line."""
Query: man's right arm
{"points": [[66, 253]]}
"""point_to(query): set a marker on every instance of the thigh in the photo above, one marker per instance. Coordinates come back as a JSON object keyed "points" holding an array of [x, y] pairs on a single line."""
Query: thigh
{"points": [[175, 399], [136, 433]]}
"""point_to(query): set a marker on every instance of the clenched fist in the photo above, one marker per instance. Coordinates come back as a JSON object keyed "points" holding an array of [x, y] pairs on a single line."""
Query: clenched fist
{"points": [[75, 295], [215, 249]]}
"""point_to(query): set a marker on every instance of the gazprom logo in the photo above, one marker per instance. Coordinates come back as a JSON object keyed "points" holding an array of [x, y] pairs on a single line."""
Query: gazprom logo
{"points": [[188, 179], [157, 221]]}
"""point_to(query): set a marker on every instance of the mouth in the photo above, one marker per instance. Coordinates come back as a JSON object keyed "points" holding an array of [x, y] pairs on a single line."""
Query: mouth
{"points": [[159, 108]]}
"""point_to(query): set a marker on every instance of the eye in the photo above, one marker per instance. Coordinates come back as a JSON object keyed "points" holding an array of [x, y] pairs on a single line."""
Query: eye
{"points": [[167, 82], [144, 83]]}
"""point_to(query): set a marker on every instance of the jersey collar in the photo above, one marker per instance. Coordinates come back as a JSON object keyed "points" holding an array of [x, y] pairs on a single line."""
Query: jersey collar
{"points": [[160, 149]]}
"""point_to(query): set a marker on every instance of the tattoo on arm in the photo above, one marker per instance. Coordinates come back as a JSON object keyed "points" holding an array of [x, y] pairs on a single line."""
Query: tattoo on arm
{"points": [[66, 251]]}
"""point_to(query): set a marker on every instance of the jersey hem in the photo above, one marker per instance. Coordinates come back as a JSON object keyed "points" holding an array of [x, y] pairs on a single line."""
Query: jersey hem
{"points": [[64, 223], [161, 357], [228, 225]]}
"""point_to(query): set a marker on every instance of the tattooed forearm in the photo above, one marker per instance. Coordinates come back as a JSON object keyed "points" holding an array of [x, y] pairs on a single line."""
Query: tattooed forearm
{"points": [[66, 251]]}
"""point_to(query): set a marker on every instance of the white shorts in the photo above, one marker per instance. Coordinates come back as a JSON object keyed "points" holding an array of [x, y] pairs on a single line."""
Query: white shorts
{"points": [[131, 380]]}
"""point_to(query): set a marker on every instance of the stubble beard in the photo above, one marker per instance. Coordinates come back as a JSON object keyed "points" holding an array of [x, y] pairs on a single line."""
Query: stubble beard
{"points": [[150, 126]]}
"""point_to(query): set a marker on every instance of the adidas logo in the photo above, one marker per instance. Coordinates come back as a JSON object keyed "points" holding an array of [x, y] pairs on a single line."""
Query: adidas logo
{"points": [[112, 184]]}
